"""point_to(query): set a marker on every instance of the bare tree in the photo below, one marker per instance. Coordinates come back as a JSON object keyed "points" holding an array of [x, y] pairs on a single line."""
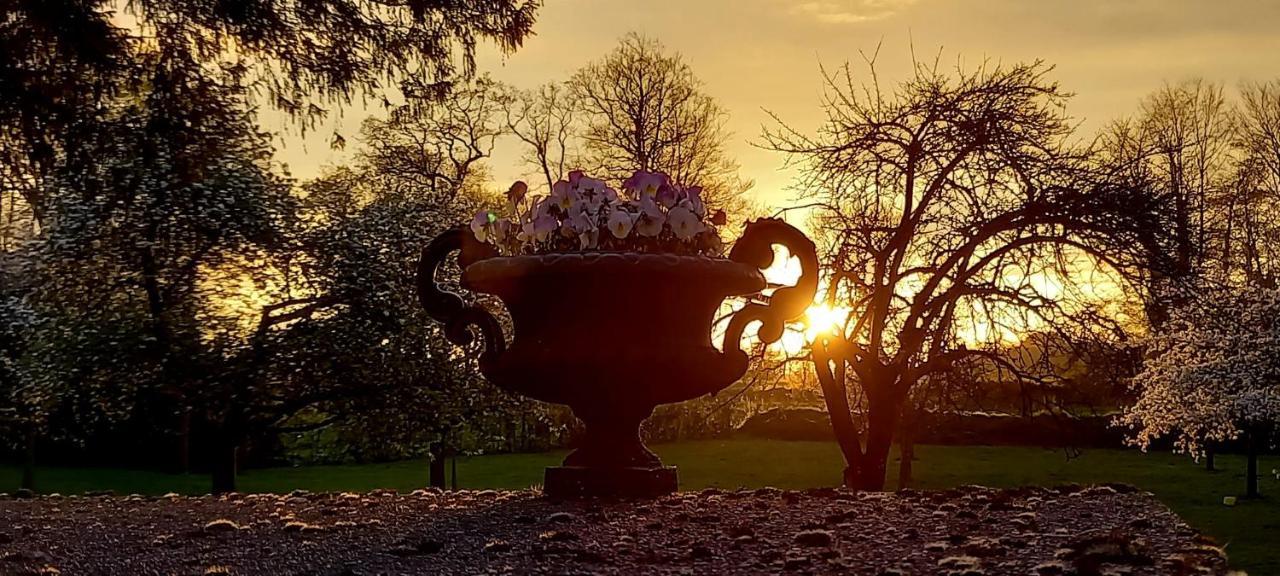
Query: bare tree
{"points": [[544, 119], [954, 217], [645, 110], [1179, 147], [1189, 128], [432, 145], [1254, 193]]}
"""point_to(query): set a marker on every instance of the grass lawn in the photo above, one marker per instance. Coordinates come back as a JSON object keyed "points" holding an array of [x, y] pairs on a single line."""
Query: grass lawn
{"points": [[1251, 530]]}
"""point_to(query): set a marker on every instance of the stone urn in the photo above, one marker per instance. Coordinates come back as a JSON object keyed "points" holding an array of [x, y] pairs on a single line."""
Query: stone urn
{"points": [[613, 335]]}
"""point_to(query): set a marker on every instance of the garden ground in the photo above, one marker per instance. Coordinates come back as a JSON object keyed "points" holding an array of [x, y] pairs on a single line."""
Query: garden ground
{"points": [[1250, 531]]}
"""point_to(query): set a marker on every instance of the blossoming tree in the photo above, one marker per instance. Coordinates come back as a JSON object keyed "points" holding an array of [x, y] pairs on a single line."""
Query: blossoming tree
{"points": [[1213, 375]]}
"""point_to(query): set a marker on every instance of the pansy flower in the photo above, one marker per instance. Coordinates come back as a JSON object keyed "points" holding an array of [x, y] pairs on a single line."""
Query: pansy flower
{"points": [[620, 223], [684, 223], [540, 227], [589, 239], [592, 193], [693, 195], [645, 184], [651, 218], [481, 223], [563, 195]]}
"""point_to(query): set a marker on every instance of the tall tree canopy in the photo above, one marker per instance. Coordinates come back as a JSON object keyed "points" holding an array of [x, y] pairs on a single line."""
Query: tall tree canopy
{"points": [[60, 60]]}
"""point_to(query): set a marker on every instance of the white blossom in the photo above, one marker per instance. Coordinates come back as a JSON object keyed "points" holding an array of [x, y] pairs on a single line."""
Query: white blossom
{"points": [[1212, 372]]}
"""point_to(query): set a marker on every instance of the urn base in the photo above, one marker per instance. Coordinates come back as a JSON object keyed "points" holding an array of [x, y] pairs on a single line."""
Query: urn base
{"points": [[590, 481]]}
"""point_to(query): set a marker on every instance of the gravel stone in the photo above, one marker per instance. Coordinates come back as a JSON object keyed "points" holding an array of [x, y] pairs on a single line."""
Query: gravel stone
{"points": [[814, 538]]}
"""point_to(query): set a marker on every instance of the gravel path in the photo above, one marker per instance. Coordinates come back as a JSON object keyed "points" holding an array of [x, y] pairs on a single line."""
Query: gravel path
{"points": [[964, 532]]}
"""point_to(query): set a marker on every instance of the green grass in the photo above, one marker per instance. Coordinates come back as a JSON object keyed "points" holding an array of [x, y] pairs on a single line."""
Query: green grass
{"points": [[1250, 530]]}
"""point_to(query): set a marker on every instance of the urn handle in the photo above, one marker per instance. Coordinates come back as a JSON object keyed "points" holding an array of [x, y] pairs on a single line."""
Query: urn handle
{"points": [[458, 317], [788, 303]]}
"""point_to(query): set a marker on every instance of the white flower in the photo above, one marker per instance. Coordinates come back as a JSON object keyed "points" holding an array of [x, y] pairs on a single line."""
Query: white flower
{"points": [[694, 197], [563, 195], [589, 239], [540, 228], [481, 223], [684, 223], [645, 184], [651, 218], [587, 184], [592, 193], [580, 221], [620, 223], [501, 230]]}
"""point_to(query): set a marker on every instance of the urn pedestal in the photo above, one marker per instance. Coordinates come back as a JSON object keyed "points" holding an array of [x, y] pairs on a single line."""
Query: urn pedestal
{"points": [[613, 335]]}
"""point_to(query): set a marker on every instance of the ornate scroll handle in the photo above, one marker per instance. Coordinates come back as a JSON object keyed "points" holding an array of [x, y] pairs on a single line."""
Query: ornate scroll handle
{"points": [[448, 308], [755, 247]]}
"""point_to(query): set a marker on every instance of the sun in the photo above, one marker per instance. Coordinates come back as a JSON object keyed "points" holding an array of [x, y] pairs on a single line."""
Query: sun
{"points": [[823, 319], [819, 319]]}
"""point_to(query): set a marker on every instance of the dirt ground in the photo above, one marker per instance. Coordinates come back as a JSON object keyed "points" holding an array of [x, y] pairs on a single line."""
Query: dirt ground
{"points": [[968, 531]]}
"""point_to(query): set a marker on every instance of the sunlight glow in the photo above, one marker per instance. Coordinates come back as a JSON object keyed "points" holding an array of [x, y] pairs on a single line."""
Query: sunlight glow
{"points": [[823, 319]]}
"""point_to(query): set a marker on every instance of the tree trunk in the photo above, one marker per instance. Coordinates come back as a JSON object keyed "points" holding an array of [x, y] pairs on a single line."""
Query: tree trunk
{"points": [[435, 476], [906, 453], [226, 450], [29, 460], [184, 442], [1208, 458], [1251, 469], [882, 419], [904, 467], [842, 425]]}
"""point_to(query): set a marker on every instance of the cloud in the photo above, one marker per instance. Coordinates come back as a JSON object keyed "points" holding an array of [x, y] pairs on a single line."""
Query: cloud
{"points": [[849, 11]]}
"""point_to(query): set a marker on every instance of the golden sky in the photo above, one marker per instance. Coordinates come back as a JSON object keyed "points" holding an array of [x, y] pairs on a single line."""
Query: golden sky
{"points": [[757, 55]]}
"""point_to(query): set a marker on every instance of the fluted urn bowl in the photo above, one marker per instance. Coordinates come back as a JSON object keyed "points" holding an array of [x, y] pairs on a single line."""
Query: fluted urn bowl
{"points": [[613, 335], [620, 331]]}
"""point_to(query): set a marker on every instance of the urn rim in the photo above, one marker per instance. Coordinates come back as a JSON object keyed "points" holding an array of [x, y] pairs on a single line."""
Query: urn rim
{"points": [[728, 276]]}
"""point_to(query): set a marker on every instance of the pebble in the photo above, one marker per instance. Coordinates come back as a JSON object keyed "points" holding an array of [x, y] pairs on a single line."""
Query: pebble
{"points": [[221, 525], [700, 551], [814, 538], [557, 536], [795, 561], [1049, 569]]}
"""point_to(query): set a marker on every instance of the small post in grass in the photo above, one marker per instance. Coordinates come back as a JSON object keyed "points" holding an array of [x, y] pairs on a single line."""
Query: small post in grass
{"points": [[29, 461], [1251, 469]]}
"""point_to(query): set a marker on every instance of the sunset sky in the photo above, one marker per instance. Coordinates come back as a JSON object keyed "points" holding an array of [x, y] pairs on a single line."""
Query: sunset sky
{"points": [[758, 55]]}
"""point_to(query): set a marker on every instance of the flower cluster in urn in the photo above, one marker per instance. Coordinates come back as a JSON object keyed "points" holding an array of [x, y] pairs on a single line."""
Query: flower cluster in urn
{"points": [[584, 213]]}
